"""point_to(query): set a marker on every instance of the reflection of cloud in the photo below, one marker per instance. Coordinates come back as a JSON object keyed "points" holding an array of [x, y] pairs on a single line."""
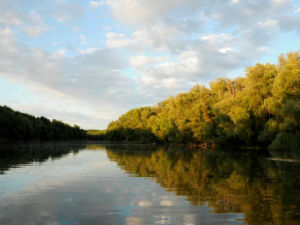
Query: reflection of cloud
{"points": [[55, 173], [189, 219], [162, 219], [145, 203], [134, 220], [166, 203]]}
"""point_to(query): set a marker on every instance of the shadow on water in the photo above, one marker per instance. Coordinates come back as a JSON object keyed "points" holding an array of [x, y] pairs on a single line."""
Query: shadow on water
{"points": [[265, 191]]}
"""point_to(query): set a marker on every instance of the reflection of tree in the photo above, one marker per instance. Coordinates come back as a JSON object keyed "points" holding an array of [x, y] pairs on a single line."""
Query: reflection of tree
{"points": [[12, 155], [267, 192]]}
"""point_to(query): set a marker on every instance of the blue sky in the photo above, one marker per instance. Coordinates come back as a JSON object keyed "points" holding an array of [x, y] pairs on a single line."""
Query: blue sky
{"points": [[87, 62]]}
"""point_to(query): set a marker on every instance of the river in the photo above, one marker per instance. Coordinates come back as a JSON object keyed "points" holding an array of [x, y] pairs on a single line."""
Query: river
{"points": [[92, 183]]}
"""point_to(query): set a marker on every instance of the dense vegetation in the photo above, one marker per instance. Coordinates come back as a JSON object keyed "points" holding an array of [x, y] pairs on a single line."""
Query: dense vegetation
{"points": [[261, 189], [15, 125], [96, 134], [261, 109]]}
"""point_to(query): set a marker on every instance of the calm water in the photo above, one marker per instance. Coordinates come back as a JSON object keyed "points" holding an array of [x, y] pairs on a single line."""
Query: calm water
{"points": [[74, 183]]}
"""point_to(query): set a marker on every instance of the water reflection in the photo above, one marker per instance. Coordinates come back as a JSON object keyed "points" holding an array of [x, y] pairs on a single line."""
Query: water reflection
{"points": [[18, 154], [80, 183], [265, 191]]}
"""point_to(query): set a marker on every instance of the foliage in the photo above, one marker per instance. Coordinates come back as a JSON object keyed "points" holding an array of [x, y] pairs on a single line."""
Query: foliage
{"points": [[15, 125], [96, 134], [261, 109]]}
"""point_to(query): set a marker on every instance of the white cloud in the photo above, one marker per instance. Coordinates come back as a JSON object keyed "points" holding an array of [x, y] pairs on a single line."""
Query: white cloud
{"points": [[216, 37], [82, 39], [61, 52], [9, 18], [7, 37], [63, 18], [268, 23], [170, 83], [142, 60], [37, 26], [6, 33], [149, 81], [234, 1], [96, 4], [226, 50], [158, 38], [116, 40], [193, 59], [67, 12], [186, 68], [87, 50], [144, 12], [77, 29], [84, 82], [263, 49], [281, 1]]}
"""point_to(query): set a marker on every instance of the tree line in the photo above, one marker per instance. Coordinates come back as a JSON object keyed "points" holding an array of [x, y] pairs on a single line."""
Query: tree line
{"points": [[15, 125], [260, 109]]}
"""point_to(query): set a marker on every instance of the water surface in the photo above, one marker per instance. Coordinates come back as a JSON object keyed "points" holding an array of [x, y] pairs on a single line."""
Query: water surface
{"points": [[79, 183]]}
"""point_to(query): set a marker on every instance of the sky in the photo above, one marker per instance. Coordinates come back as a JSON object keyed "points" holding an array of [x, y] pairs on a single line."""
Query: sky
{"points": [[88, 62]]}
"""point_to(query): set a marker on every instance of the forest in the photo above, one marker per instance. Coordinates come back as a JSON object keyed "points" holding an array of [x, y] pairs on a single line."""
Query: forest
{"points": [[260, 109], [15, 125]]}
